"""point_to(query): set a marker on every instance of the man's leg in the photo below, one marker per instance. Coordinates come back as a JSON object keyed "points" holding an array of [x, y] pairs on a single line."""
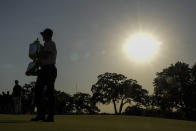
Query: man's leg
{"points": [[39, 100], [52, 74], [50, 93], [19, 108]]}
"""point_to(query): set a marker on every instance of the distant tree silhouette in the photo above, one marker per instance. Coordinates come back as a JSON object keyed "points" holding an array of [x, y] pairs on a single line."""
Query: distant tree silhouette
{"points": [[8, 103], [190, 95], [1, 103], [170, 86], [115, 88], [83, 103], [63, 102], [134, 110], [130, 91], [175, 88], [28, 104]]}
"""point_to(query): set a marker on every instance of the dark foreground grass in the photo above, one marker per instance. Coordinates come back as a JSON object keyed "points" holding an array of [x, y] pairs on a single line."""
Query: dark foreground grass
{"points": [[94, 123]]}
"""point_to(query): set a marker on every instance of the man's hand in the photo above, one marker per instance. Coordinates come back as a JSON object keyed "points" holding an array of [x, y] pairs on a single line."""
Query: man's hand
{"points": [[37, 63]]}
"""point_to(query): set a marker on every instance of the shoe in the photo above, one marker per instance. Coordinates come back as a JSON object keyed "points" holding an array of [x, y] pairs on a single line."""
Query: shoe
{"points": [[49, 119], [38, 118]]}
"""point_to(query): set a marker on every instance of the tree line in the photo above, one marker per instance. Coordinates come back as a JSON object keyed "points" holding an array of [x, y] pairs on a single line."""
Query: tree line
{"points": [[173, 97], [78, 103]]}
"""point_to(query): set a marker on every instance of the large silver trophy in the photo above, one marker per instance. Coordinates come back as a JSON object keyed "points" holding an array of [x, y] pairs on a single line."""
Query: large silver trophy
{"points": [[34, 50]]}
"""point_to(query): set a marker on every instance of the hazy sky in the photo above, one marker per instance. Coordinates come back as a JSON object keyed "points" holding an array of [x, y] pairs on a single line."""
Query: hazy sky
{"points": [[89, 35]]}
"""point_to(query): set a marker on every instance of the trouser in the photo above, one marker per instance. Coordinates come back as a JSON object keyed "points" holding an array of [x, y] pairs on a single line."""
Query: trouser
{"points": [[17, 105], [44, 90]]}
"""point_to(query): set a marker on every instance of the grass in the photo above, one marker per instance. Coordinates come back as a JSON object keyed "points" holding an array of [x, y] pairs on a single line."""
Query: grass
{"points": [[94, 123]]}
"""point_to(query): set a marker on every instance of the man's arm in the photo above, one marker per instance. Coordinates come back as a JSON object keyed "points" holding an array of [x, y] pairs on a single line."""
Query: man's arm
{"points": [[46, 50], [44, 53]]}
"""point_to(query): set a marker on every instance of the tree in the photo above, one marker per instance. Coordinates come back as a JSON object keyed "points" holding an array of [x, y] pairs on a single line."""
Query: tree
{"points": [[134, 110], [63, 102], [27, 99], [190, 96], [83, 103], [130, 92], [115, 88], [173, 86], [106, 88]]}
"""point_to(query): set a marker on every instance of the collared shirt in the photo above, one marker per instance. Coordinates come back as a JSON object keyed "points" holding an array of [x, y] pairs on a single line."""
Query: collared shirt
{"points": [[48, 54], [17, 91]]}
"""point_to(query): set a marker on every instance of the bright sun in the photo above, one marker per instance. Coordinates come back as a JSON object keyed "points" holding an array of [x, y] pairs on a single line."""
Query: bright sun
{"points": [[141, 46]]}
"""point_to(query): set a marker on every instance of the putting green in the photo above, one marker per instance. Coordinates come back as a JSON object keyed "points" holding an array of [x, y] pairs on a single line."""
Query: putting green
{"points": [[94, 123]]}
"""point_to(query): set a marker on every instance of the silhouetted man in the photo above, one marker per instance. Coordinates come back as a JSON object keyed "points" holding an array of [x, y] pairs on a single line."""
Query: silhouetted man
{"points": [[3, 108], [1, 103], [44, 88], [8, 100], [16, 96]]}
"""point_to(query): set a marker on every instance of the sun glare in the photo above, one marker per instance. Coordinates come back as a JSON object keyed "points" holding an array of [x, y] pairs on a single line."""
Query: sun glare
{"points": [[141, 46]]}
